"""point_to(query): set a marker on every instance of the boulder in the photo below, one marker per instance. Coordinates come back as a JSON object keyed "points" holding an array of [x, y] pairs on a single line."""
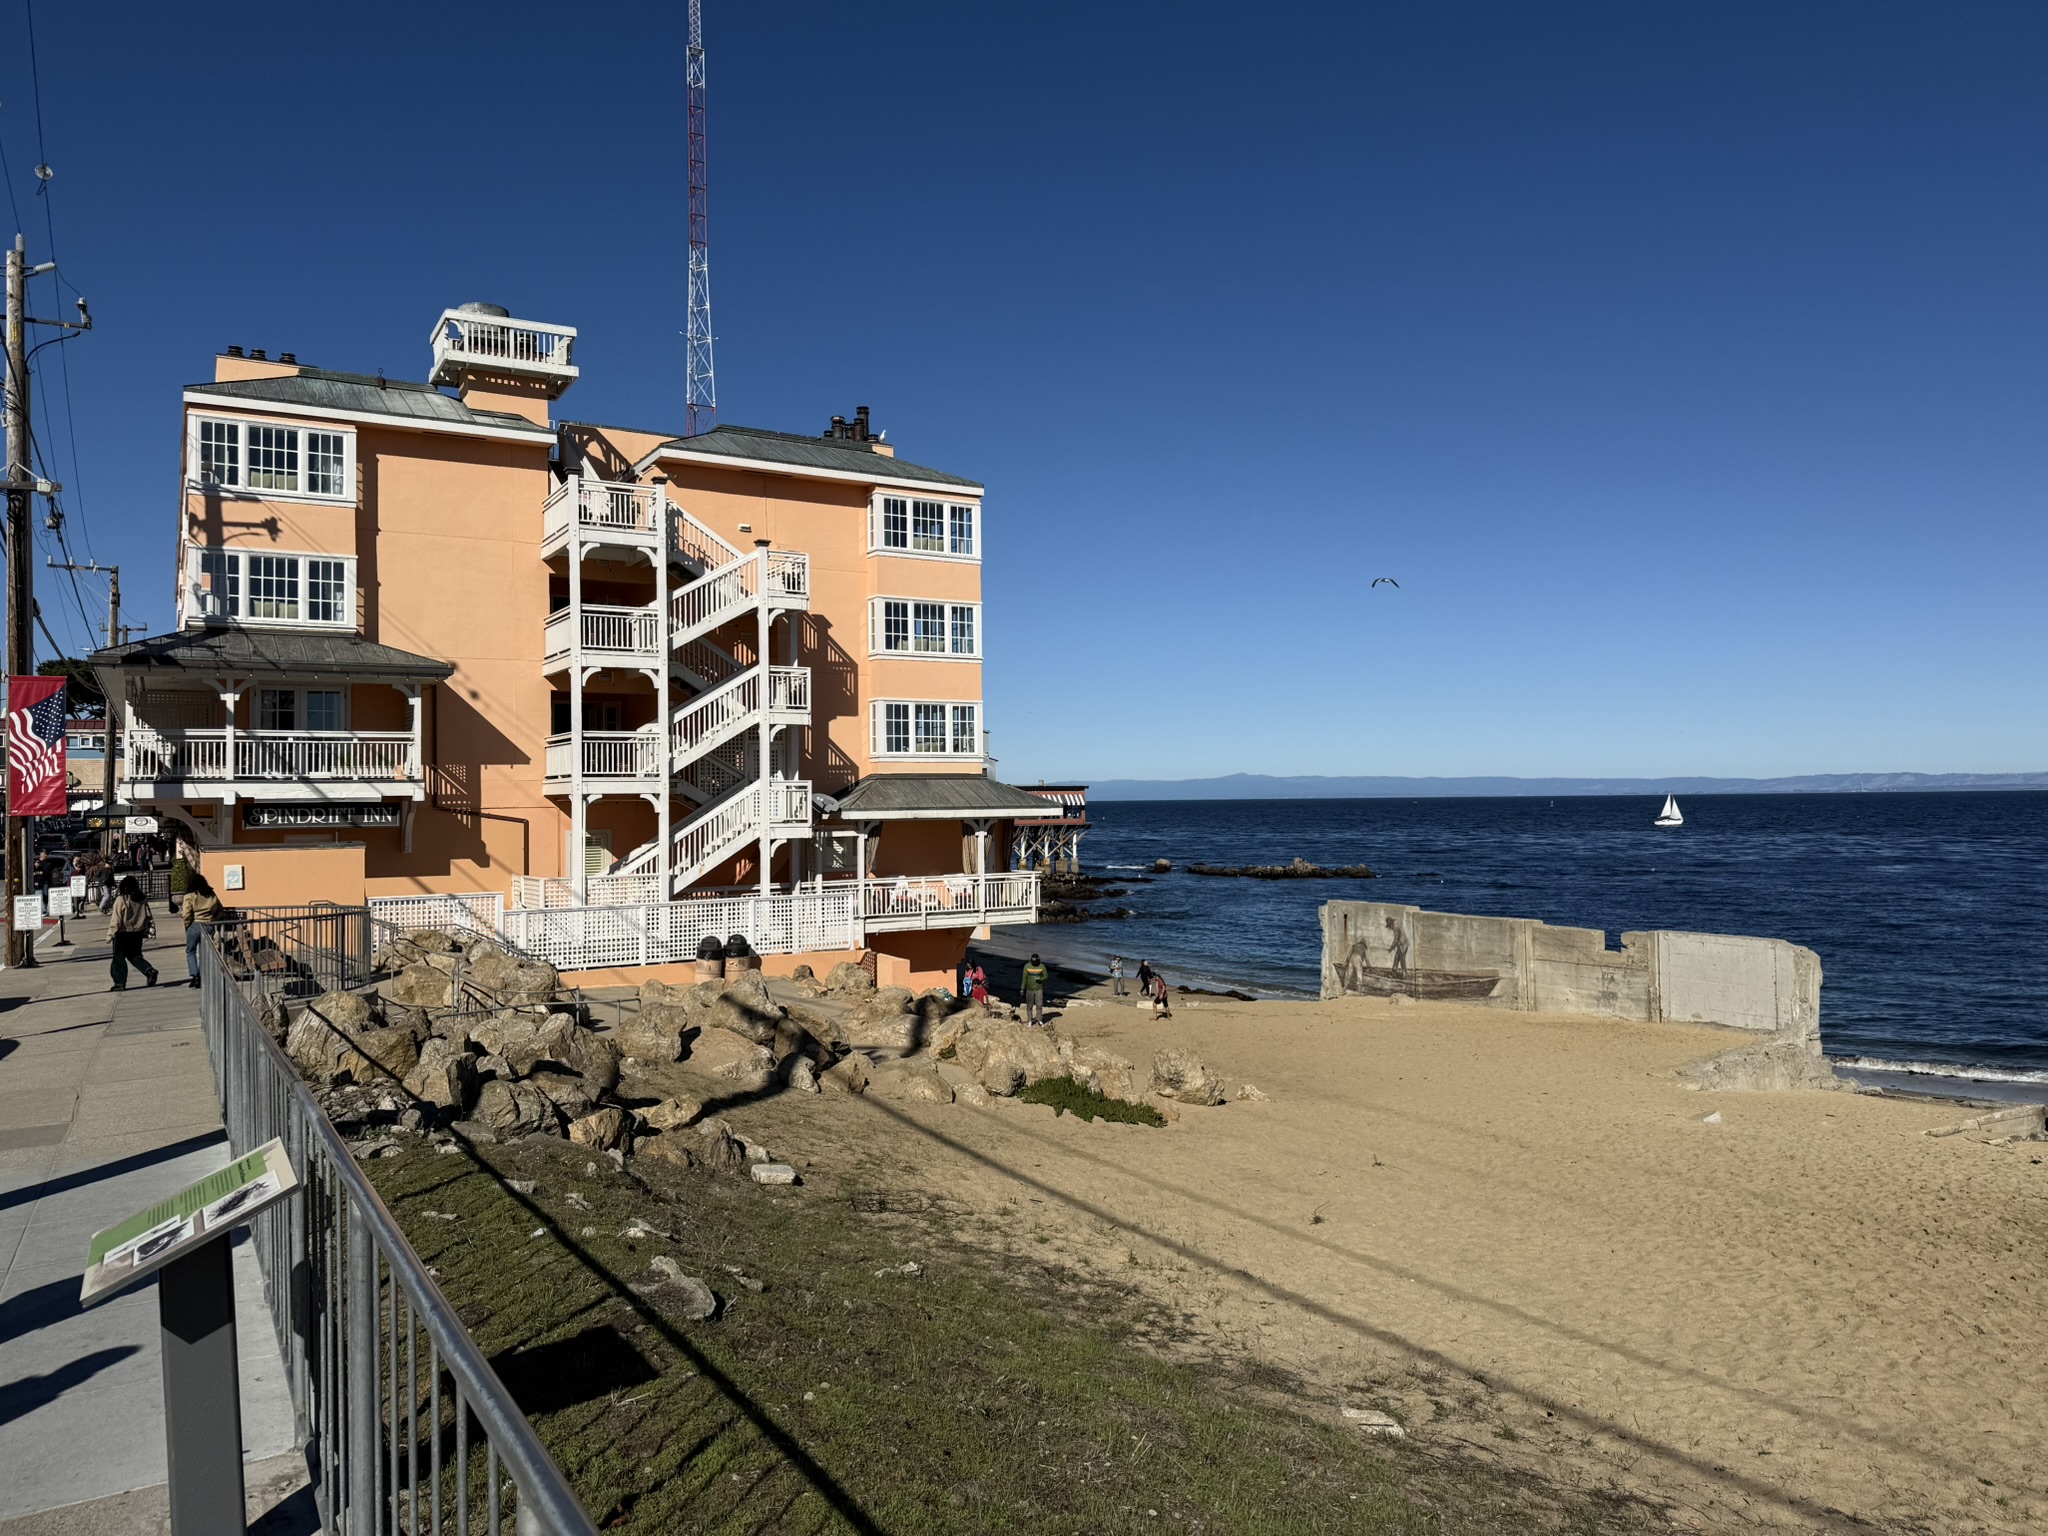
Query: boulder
{"points": [[604, 1129], [444, 1076], [324, 1053], [527, 1039], [1005, 1057], [848, 1075], [514, 1109], [567, 1092], [510, 979], [1179, 1074], [744, 1008], [432, 941], [802, 1078], [926, 1087], [804, 981], [399, 1016], [946, 1035], [695, 1300], [672, 1114], [395, 1051], [664, 1149], [725, 1055], [419, 985], [847, 977], [1107, 1074], [881, 1020], [594, 1059], [973, 1095], [655, 1032], [721, 1150], [350, 1012]]}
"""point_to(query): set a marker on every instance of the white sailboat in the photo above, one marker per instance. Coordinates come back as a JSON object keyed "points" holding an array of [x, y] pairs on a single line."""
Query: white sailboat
{"points": [[1670, 815]]}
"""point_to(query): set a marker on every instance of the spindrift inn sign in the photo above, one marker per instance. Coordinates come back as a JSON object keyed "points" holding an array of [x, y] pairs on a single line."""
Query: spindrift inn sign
{"points": [[374, 813]]}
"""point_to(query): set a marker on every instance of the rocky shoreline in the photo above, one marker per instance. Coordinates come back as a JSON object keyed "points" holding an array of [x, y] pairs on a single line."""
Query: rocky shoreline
{"points": [[1299, 869]]}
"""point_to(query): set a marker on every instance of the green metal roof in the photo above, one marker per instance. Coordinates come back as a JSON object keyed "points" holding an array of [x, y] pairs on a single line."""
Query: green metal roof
{"points": [[318, 389], [232, 652], [847, 458], [936, 797]]}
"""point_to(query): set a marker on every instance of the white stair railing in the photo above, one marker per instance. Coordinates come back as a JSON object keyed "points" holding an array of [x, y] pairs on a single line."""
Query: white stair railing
{"points": [[714, 717]]}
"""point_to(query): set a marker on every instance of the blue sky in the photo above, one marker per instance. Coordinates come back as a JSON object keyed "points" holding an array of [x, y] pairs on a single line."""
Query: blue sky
{"points": [[1683, 364]]}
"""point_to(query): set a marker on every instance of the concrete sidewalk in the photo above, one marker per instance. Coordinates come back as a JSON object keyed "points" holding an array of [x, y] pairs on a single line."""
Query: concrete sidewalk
{"points": [[106, 1106]]}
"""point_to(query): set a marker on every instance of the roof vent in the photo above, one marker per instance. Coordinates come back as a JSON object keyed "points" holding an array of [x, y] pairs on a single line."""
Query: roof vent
{"points": [[495, 311], [259, 353], [234, 351], [287, 357]]}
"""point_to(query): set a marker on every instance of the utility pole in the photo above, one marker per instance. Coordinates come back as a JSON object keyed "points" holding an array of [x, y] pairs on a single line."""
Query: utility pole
{"points": [[20, 574], [116, 635], [700, 389]]}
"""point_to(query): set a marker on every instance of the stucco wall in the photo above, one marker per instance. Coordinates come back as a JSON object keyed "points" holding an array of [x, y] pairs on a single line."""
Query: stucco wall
{"points": [[287, 874], [1379, 949]]}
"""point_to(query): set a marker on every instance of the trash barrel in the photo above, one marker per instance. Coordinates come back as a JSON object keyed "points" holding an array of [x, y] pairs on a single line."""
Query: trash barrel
{"points": [[740, 956], [710, 958]]}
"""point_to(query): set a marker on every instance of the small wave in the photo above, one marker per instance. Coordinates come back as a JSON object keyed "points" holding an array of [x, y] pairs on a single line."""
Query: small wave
{"points": [[1945, 1069]]}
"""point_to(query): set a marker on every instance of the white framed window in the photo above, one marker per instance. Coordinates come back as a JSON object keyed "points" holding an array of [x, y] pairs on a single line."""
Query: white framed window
{"points": [[936, 530], [270, 459], [928, 728], [239, 586], [301, 709], [906, 626]]}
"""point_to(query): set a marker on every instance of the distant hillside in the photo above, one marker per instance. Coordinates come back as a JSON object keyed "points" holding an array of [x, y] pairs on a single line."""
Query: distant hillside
{"points": [[1260, 786]]}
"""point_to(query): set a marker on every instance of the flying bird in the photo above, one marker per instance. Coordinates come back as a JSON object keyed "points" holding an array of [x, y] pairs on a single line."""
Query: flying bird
{"points": [[1387, 579]]}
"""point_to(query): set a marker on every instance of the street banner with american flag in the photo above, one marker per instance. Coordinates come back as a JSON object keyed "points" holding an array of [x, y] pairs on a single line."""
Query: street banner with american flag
{"points": [[36, 782]]}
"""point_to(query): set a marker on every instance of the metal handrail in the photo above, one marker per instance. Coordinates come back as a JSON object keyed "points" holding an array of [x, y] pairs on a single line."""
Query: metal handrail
{"points": [[351, 1301]]}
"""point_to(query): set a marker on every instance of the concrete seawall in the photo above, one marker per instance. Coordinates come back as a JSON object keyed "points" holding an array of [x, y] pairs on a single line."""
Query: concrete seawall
{"points": [[1766, 986]]}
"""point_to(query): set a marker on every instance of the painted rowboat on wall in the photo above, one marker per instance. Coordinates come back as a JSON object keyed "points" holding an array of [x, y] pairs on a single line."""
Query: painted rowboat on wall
{"points": [[1435, 986]]}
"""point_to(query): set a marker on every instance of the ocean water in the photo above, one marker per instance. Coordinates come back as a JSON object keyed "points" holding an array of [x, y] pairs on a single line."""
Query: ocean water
{"points": [[1929, 911]]}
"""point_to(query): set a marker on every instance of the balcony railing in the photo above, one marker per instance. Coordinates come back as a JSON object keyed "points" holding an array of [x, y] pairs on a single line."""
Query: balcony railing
{"points": [[950, 901], [606, 755], [606, 630], [467, 339], [198, 755], [614, 507]]}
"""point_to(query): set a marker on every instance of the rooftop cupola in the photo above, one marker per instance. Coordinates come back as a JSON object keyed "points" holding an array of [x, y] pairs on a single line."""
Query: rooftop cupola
{"points": [[502, 364]]}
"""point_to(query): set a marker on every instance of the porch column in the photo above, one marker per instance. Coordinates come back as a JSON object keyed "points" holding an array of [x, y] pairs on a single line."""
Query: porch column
{"points": [[411, 691], [231, 690], [980, 864], [663, 855], [578, 816], [763, 622]]}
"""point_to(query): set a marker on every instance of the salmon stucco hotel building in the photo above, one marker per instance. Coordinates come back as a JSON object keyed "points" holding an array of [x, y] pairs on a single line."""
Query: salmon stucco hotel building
{"points": [[608, 690]]}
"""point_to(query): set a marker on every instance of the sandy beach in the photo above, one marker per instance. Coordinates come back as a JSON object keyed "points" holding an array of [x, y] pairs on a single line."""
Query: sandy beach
{"points": [[1522, 1235]]}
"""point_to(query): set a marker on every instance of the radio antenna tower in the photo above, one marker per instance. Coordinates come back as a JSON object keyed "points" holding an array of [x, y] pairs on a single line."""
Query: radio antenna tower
{"points": [[700, 405]]}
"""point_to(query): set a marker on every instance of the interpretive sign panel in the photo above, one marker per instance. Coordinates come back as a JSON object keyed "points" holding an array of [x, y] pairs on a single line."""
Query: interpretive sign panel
{"points": [[60, 901], [28, 914], [77, 889], [150, 1239]]}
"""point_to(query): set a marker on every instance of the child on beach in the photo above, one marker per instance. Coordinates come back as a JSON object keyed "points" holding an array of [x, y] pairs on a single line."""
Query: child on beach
{"points": [[1161, 1007], [978, 980]]}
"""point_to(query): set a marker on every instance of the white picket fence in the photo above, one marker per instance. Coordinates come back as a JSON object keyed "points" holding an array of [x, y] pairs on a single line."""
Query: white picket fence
{"points": [[469, 911]]}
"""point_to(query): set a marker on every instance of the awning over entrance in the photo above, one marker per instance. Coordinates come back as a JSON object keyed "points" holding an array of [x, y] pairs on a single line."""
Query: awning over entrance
{"points": [[935, 797], [255, 652]]}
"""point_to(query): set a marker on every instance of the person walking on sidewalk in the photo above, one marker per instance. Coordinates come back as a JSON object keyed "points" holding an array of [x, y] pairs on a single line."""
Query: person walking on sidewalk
{"points": [[200, 908], [1116, 976], [130, 925], [1034, 993]]}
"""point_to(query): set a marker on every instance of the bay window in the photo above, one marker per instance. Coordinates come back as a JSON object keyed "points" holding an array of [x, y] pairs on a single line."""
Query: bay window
{"points": [[902, 626], [933, 728], [914, 526], [267, 458], [270, 587]]}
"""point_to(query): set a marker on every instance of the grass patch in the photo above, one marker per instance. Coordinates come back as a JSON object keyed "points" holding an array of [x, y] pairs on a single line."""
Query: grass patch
{"points": [[1068, 1097], [867, 1373]]}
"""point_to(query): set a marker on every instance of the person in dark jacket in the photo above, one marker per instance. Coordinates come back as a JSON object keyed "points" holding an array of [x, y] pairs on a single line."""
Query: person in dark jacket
{"points": [[1034, 993], [131, 924]]}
